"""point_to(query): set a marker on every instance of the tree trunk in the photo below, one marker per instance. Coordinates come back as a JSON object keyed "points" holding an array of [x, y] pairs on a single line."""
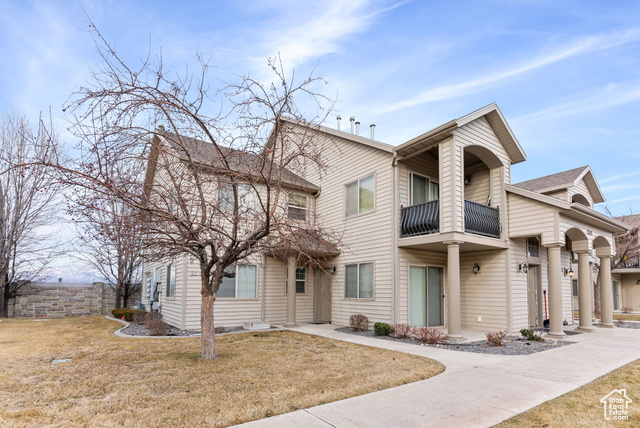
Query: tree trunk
{"points": [[4, 301], [119, 296], [209, 349]]}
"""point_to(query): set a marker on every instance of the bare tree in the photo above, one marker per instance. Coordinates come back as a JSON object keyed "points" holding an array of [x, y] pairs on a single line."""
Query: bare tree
{"points": [[111, 240], [216, 185], [29, 203]]}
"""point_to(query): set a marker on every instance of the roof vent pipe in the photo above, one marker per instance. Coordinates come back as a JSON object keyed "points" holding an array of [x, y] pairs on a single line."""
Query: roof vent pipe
{"points": [[357, 128], [353, 129], [373, 130], [338, 118]]}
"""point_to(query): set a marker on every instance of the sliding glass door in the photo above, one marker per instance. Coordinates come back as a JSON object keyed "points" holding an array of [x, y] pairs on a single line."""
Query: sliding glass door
{"points": [[425, 296]]}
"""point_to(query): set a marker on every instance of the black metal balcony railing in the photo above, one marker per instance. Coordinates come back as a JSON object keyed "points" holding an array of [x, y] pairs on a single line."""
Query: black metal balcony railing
{"points": [[420, 219], [628, 262], [481, 219], [424, 219]]}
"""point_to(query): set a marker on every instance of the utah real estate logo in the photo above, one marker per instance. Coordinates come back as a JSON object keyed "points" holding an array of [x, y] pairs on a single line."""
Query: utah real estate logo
{"points": [[616, 405]]}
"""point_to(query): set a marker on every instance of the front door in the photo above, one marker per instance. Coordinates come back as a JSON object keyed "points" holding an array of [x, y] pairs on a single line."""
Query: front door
{"points": [[425, 296], [616, 295], [535, 296], [323, 297]]}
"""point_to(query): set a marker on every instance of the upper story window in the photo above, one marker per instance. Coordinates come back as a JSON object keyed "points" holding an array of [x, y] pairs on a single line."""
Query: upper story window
{"points": [[297, 207], [422, 189], [226, 202], [171, 280], [360, 196], [242, 285], [533, 247]]}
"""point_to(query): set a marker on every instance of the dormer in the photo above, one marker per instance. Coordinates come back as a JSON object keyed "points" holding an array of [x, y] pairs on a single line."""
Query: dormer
{"points": [[574, 186]]}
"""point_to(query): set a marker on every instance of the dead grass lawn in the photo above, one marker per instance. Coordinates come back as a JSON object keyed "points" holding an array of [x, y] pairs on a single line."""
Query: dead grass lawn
{"points": [[112, 381], [626, 317], [582, 408]]}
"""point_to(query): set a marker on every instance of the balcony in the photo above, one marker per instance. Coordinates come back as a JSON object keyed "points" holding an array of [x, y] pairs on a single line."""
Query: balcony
{"points": [[481, 219], [628, 262], [420, 219], [424, 219]]}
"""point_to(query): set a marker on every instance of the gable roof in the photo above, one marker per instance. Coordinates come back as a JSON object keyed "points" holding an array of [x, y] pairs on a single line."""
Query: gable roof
{"points": [[564, 180], [194, 151], [491, 113]]}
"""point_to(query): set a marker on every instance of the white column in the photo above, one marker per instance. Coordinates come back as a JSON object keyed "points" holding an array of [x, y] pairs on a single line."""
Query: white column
{"points": [[291, 293], [606, 293], [584, 294], [555, 294], [454, 326]]}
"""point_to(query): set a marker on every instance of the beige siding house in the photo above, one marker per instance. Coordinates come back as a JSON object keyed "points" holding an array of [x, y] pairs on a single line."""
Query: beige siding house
{"points": [[433, 234]]}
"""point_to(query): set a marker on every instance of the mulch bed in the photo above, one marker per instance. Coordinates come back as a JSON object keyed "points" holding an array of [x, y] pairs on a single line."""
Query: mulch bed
{"points": [[627, 324], [514, 345]]}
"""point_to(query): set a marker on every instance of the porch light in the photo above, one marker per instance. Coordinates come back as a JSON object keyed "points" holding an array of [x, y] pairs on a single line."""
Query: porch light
{"points": [[476, 268], [523, 267], [570, 272]]}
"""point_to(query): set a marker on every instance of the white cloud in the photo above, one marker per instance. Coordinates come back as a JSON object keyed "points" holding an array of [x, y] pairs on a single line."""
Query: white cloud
{"points": [[579, 47], [619, 177], [610, 96]]}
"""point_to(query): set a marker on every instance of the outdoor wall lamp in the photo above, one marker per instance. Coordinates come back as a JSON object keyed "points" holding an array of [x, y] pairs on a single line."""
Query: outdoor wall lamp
{"points": [[476, 268], [523, 267], [570, 272], [333, 269]]}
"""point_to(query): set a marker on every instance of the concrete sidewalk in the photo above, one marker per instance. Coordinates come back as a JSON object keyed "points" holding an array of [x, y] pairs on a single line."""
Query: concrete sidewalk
{"points": [[475, 390]]}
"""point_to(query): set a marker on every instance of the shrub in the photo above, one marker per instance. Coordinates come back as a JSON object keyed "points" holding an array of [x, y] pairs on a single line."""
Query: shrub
{"points": [[400, 331], [128, 314], [531, 335], [359, 322], [429, 335], [627, 310], [495, 339], [381, 329], [154, 323]]}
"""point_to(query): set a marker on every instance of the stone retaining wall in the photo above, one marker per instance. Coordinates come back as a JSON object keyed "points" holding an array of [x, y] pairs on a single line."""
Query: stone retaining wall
{"points": [[60, 300]]}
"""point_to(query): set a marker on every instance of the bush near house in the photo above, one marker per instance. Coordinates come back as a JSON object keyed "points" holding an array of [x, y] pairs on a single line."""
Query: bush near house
{"points": [[130, 315], [429, 335], [155, 324], [400, 331], [381, 329], [496, 339], [627, 310], [531, 335], [359, 322]]}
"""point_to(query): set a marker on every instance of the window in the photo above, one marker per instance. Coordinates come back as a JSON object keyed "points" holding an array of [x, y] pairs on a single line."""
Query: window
{"points": [[171, 281], [301, 280], [359, 281], [226, 203], [157, 278], [533, 247], [242, 285], [422, 189], [297, 207], [360, 196], [575, 287]]}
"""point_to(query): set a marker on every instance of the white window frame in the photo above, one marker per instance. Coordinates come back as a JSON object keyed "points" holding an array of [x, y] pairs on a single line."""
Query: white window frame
{"points": [[235, 284], [286, 280], [171, 281], [296, 207], [429, 189], [346, 196], [373, 281], [246, 197], [527, 247]]}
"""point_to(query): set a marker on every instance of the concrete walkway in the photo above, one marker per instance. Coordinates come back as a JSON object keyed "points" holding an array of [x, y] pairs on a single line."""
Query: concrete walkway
{"points": [[475, 390]]}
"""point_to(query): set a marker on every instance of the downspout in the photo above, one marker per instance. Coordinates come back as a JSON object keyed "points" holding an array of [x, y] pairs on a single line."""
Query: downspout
{"points": [[395, 297]]}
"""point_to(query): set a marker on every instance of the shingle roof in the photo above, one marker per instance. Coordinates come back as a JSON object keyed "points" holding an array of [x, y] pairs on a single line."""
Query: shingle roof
{"points": [[553, 181], [632, 220], [201, 152]]}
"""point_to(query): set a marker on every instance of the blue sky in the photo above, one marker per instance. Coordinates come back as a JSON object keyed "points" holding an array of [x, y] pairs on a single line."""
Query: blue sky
{"points": [[566, 74]]}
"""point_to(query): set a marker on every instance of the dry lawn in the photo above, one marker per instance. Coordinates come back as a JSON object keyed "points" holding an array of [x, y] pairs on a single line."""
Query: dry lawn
{"points": [[112, 381], [626, 317], [582, 408]]}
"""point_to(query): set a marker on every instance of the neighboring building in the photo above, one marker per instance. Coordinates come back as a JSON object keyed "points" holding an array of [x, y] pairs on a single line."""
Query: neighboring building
{"points": [[626, 266], [433, 233]]}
